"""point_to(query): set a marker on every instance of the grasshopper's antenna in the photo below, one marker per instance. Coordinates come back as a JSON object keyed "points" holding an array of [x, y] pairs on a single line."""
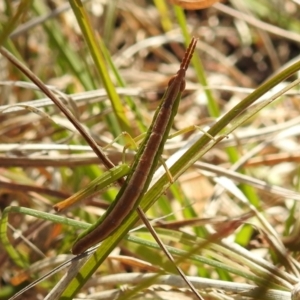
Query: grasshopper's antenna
{"points": [[188, 54]]}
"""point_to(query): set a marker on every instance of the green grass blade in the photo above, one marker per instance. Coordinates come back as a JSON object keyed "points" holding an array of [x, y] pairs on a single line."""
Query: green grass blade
{"points": [[67, 57], [212, 104], [213, 108], [12, 21], [130, 102], [98, 58]]}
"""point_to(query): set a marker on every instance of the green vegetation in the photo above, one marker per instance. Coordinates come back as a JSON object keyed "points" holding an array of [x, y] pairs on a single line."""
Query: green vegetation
{"points": [[230, 219]]}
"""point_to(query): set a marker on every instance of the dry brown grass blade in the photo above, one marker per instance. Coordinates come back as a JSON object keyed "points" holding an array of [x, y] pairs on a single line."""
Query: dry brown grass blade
{"points": [[194, 4], [98, 151]]}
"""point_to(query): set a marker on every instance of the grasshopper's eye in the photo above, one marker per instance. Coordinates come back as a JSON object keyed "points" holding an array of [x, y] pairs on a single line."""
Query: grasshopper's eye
{"points": [[171, 80], [182, 83]]}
